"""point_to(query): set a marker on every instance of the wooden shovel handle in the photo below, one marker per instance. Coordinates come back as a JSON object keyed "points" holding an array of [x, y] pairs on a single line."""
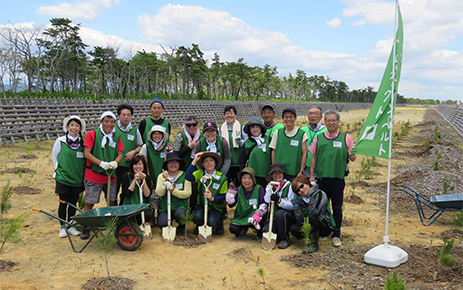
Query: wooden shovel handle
{"points": [[35, 209]]}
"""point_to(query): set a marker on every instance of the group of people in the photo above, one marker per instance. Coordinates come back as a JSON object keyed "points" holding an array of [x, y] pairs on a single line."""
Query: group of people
{"points": [[300, 171]]}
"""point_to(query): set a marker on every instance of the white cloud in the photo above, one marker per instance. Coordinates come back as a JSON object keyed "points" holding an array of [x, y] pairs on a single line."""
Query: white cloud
{"points": [[358, 23], [80, 10], [334, 23]]}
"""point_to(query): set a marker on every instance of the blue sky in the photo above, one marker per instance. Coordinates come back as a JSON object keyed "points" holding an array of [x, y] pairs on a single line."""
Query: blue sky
{"points": [[348, 40]]}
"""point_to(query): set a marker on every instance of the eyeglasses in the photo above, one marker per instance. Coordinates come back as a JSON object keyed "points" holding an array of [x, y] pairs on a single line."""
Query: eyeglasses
{"points": [[299, 188], [191, 124]]}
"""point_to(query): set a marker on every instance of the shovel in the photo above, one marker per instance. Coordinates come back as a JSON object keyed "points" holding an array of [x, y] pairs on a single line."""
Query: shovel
{"points": [[269, 239], [145, 227], [205, 231], [168, 233], [108, 192]]}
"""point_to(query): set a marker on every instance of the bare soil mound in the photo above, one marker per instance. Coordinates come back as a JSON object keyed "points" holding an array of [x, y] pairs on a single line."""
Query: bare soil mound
{"points": [[111, 283], [22, 189], [6, 265], [187, 242]]}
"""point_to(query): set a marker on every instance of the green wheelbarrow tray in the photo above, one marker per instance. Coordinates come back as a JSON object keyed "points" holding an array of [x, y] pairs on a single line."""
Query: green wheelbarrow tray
{"points": [[98, 217]]}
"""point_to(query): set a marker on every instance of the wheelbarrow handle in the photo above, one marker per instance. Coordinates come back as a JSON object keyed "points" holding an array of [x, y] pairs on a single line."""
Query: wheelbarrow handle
{"points": [[70, 204], [52, 215], [36, 209]]}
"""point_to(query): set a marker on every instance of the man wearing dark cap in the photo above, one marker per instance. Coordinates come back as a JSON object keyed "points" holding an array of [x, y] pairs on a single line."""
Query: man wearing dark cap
{"points": [[156, 109], [267, 114], [290, 145]]}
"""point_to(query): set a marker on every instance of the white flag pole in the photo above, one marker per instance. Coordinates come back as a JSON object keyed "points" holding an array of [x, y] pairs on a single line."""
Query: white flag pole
{"points": [[386, 255]]}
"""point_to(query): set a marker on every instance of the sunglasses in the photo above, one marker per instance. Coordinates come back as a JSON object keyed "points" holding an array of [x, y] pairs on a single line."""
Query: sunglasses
{"points": [[191, 125], [299, 188]]}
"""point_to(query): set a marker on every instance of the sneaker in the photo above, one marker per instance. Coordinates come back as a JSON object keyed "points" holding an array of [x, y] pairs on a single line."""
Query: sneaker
{"points": [[336, 242], [62, 233], [85, 234], [312, 248], [73, 231], [284, 244]]}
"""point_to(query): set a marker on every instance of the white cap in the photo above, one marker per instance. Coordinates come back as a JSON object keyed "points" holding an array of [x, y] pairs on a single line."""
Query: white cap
{"points": [[161, 129], [106, 114], [73, 117]]}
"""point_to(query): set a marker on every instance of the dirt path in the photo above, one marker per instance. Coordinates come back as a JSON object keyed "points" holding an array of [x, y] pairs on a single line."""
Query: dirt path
{"points": [[47, 262]]}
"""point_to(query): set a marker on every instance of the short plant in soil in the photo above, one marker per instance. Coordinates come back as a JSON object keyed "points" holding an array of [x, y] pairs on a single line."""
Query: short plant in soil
{"points": [[445, 186], [444, 254], [261, 273], [437, 135], [9, 230], [395, 282], [306, 230], [458, 218], [107, 240], [187, 218], [5, 204]]}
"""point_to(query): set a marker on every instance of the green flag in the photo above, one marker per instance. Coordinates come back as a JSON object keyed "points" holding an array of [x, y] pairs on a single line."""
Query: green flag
{"points": [[374, 137]]}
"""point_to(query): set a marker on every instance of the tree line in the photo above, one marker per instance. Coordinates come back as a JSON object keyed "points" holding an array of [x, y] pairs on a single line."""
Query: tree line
{"points": [[53, 61]]}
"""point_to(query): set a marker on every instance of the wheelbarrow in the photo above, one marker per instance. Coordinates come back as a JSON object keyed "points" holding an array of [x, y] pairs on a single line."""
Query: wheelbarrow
{"points": [[436, 205], [128, 234]]}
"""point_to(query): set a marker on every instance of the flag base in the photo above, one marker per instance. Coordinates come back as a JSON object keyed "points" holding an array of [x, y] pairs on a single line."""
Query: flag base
{"points": [[386, 256]]}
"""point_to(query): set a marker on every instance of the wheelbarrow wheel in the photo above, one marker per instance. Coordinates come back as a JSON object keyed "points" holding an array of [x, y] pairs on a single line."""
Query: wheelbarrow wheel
{"points": [[129, 236]]}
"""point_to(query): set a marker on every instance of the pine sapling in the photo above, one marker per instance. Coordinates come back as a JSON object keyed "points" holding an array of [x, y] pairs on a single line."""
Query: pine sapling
{"points": [[458, 218], [444, 253], [107, 240], [261, 273], [306, 230], [5, 204], [187, 218], [9, 230], [395, 282]]}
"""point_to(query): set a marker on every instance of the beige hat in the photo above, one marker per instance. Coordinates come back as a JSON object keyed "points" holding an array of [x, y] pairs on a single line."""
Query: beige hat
{"points": [[159, 128], [247, 170], [215, 156], [76, 118]]}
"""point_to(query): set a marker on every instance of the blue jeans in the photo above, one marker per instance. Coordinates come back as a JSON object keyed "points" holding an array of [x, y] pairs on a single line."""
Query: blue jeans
{"points": [[175, 215], [214, 218]]}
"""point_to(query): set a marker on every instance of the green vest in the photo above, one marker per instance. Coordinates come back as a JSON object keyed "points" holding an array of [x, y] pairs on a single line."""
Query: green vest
{"points": [[187, 158], [71, 166], [150, 124], [331, 157], [155, 161], [106, 154], [288, 151], [218, 144], [245, 208], [235, 152], [129, 140], [135, 197], [175, 202], [277, 126], [311, 137], [215, 187], [258, 159]]}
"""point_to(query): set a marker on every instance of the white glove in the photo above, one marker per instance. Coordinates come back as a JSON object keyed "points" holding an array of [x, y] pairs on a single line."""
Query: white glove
{"points": [[113, 165], [167, 185], [104, 165], [253, 222]]}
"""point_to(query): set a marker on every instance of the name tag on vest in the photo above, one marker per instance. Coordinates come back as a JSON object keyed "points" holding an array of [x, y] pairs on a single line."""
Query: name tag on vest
{"points": [[112, 145], [215, 186], [130, 137], [179, 186], [337, 144], [80, 154], [294, 142], [253, 202], [162, 155]]}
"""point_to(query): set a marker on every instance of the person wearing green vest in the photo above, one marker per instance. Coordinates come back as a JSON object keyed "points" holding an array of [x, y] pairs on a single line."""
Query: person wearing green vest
{"points": [[211, 142], [103, 151], [313, 129], [284, 215], [331, 152], [250, 205], [208, 163], [185, 141], [232, 131], [69, 163], [290, 146], [131, 138], [156, 109], [255, 152], [312, 202], [268, 114], [172, 179], [138, 172], [155, 151]]}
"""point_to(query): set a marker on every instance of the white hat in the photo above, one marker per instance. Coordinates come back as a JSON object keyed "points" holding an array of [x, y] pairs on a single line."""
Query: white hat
{"points": [[73, 117], [161, 129], [106, 114]]}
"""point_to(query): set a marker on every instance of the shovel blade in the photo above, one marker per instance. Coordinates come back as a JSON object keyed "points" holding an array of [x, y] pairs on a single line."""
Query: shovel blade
{"points": [[168, 233], [269, 240], [146, 227], [205, 234]]}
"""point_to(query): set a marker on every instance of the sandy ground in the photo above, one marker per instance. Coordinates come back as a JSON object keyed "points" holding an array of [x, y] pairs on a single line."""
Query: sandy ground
{"points": [[47, 262]]}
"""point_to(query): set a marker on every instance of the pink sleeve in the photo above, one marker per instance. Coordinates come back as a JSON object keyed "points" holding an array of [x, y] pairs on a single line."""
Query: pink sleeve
{"points": [[350, 144], [313, 147]]}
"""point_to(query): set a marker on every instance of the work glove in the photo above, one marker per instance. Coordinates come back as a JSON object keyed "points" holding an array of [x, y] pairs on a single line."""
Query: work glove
{"points": [[113, 165], [167, 185], [231, 195], [275, 198], [255, 220], [104, 165]]}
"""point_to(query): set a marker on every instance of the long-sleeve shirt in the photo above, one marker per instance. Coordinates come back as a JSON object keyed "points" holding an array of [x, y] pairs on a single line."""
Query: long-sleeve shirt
{"points": [[285, 203], [185, 193], [219, 198], [262, 210]]}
